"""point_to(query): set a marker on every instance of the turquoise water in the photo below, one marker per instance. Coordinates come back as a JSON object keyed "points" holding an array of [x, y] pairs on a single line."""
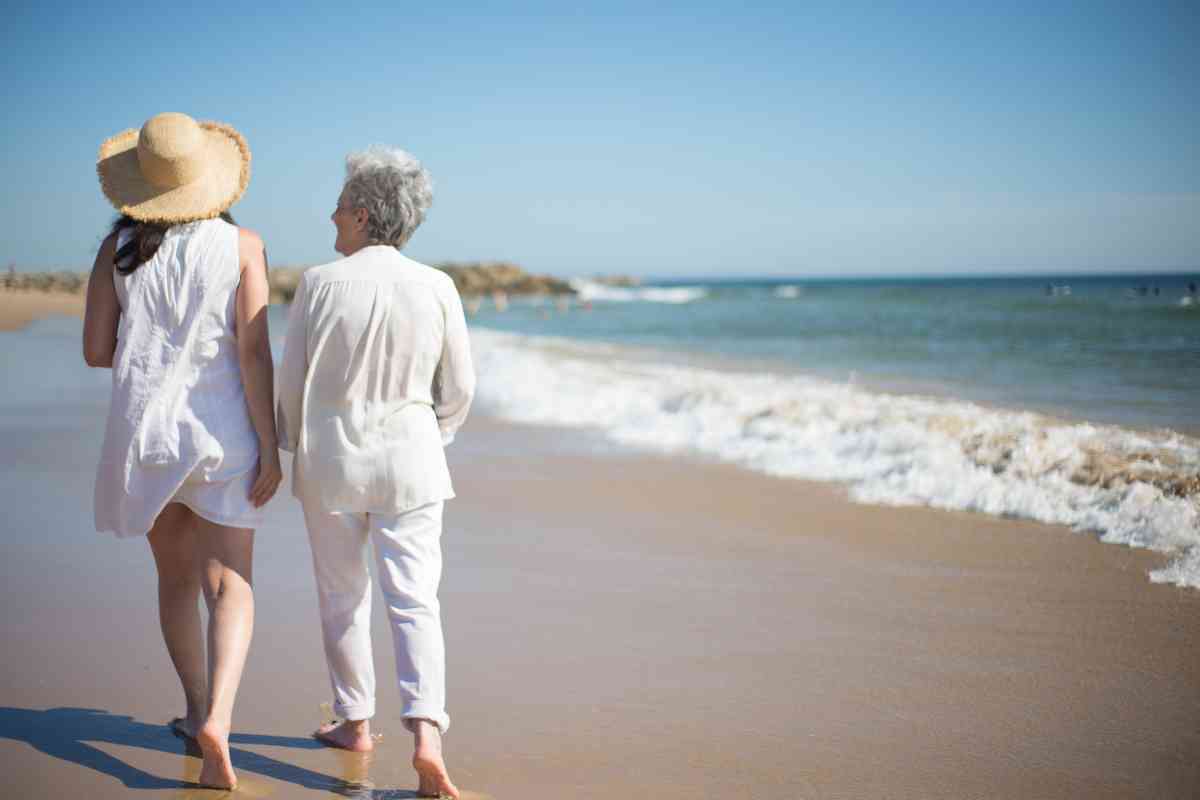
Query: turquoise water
{"points": [[1112, 349]]}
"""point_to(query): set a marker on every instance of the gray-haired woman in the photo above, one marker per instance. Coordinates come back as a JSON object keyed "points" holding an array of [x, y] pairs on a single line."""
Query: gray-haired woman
{"points": [[375, 380]]}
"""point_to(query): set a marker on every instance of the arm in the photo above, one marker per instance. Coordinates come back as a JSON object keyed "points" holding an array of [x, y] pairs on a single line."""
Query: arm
{"points": [[254, 357], [454, 380], [102, 312], [293, 370]]}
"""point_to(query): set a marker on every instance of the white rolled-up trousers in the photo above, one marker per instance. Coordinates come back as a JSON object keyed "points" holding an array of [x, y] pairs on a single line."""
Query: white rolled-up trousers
{"points": [[408, 557]]}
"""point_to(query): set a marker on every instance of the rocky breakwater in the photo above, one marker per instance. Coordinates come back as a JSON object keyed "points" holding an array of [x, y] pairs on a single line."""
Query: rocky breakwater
{"points": [[475, 279], [478, 279], [58, 282], [483, 278]]}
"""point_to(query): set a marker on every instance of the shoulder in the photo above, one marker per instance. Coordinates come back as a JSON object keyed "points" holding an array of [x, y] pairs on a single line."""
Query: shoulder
{"points": [[106, 256], [252, 253], [249, 241], [431, 276], [331, 270], [109, 246]]}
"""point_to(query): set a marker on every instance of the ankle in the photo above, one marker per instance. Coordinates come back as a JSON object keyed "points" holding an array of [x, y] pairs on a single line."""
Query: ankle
{"points": [[216, 725], [424, 731], [359, 727]]}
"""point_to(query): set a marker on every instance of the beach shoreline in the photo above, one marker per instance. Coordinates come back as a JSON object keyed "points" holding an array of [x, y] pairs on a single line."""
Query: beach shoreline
{"points": [[623, 624], [20, 307]]}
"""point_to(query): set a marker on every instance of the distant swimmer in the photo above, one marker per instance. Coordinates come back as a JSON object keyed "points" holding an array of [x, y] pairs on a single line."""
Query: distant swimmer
{"points": [[1192, 287]]}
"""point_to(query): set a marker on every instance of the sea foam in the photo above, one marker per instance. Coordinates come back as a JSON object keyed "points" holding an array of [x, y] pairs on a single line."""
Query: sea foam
{"points": [[1135, 488], [590, 290]]}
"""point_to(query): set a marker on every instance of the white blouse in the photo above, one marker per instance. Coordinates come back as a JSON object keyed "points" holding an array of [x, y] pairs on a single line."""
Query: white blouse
{"points": [[178, 418], [376, 379]]}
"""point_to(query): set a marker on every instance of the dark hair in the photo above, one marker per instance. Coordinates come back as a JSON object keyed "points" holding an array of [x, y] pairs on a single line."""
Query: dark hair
{"points": [[144, 242]]}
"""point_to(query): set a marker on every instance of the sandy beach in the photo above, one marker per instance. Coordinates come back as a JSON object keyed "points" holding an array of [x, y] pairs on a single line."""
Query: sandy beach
{"points": [[19, 307], [617, 625]]}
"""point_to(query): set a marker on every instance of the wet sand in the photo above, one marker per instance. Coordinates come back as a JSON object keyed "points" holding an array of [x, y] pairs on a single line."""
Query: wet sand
{"points": [[19, 307], [619, 626]]}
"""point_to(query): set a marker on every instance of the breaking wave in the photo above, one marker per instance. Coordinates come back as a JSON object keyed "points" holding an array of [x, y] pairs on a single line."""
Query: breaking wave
{"points": [[1141, 489], [592, 291]]}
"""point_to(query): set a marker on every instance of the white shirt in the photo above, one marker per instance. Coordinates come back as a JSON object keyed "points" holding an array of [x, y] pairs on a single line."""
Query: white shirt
{"points": [[375, 380]]}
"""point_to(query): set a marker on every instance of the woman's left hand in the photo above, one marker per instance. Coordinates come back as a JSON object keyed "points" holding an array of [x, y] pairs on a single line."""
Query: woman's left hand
{"points": [[270, 473]]}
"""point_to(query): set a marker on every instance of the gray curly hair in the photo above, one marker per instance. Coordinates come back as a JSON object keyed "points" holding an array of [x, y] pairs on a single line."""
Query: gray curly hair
{"points": [[394, 189]]}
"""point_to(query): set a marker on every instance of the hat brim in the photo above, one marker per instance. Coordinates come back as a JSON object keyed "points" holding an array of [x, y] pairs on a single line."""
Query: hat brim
{"points": [[222, 184]]}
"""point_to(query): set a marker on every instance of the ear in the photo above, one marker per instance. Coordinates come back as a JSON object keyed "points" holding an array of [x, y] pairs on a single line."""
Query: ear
{"points": [[360, 219]]}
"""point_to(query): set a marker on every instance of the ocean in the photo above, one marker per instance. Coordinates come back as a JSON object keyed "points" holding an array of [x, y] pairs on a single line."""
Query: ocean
{"points": [[1069, 400], [1065, 399]]}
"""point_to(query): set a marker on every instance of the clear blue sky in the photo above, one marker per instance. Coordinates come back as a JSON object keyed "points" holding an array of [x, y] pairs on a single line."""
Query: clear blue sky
{"points": [[688, 139]]}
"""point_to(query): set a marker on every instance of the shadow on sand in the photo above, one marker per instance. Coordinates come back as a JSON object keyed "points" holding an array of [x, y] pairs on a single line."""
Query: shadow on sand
{"points": [[65, 733]]}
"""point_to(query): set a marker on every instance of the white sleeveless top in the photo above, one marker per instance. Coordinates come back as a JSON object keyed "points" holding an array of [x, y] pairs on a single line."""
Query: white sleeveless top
{"points": [[178, 426]]}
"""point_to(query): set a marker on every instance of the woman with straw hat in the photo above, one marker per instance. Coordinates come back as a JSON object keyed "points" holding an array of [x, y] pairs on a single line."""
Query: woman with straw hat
{"points": [[177, 307]]}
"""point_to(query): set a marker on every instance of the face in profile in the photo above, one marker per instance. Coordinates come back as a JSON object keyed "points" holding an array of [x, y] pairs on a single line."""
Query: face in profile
{"points": [[351, 226]]}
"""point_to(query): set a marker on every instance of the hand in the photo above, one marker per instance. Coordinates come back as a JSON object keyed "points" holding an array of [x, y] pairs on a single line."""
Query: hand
{"points": [[269, 476]]}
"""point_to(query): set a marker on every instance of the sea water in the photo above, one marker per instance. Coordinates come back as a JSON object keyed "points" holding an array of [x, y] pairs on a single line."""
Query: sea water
{"points": [[1069, 400]]}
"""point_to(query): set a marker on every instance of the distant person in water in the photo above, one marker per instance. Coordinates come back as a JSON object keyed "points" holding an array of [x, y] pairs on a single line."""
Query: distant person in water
{"points": [[376, 378], [177, 307]]}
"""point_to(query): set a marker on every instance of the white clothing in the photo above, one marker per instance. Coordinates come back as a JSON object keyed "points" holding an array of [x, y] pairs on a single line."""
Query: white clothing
{"points": [[375, 380], [409, 565], [178, 426]]}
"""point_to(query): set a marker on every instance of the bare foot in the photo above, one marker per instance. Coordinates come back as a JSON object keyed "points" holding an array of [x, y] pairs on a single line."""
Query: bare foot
{"points": [[427, 761], [352, 734], [184, 728], [217, 771]]}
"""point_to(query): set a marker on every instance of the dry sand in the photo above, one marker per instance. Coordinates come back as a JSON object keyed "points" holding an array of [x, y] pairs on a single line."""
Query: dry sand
{"points": [[19, 307]]}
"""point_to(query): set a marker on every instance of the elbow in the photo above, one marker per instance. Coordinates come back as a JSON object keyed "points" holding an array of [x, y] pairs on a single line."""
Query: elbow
{"points": [[255, 356], [94, 357]]}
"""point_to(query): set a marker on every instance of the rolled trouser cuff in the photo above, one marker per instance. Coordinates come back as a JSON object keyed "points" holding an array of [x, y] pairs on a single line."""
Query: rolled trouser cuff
{"points": [[356, 712], [437, 717]]}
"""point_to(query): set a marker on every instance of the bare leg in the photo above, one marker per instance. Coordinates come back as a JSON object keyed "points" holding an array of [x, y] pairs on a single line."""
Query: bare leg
{"points": [[173, 542], [225, 560], [428, 761]]}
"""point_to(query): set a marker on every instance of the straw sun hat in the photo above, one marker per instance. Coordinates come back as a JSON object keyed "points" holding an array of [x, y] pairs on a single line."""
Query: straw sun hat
{"points": [[174, 169]]}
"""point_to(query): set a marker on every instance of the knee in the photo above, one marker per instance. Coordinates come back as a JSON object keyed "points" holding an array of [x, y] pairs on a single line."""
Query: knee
{"points": [[411, 606], [343, 607], [221, 582], [342, 586], [212, 592]]}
